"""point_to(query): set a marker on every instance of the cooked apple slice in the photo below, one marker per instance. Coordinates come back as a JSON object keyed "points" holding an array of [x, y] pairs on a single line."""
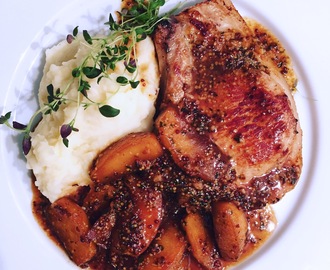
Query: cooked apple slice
{"points": [[166, 251], [139, 223], [230, 228], [190, 263], [98, 200], [102, 229], [200, 239], [121, 155], [70, 224]]}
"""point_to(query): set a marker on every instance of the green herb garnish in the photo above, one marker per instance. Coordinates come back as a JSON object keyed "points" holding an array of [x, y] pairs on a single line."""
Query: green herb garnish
{"points": [[134, 25]]}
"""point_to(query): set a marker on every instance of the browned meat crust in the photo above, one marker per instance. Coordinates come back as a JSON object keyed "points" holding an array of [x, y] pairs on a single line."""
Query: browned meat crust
{"points": [[227, 114]]}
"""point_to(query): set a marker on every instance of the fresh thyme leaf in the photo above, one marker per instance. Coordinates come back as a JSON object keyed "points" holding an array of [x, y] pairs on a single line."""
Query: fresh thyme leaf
{"points": [[122, 80], [50, 99], [109, 111], [76, 72], [91, 72], [75, 31], [115, 50], [5, 118], [99, 79], [142, 18], [58, 91], [84, 93], [87, 37], [83, 87], [130, 68], [65, 142], [125, 40], [123, 49], [156, 3], [112, 65], [49, 111], [112, 24], [134, 84], [133, 11], [50, 90], [8, 115]]}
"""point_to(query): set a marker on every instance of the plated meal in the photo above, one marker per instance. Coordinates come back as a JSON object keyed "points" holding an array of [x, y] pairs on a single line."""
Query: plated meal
{"points": [[164, 143]]}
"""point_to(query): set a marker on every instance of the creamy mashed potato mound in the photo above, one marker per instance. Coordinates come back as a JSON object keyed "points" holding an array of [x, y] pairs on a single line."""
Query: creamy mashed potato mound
{"points": [[58, 169]]}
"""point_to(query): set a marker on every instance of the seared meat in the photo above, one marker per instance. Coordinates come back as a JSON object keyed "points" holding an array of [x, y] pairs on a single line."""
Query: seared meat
{"points": [[227, 114]]}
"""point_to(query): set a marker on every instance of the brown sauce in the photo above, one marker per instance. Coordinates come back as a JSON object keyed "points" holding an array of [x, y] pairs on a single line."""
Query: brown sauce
{"points": [[40, 204], [261, 223], [273, 48]]}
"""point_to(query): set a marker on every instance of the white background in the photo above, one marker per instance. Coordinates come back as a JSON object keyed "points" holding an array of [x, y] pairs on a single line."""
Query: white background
{"points": [[304, 244]]}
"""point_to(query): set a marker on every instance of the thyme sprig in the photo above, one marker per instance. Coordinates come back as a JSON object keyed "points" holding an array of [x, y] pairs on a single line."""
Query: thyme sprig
{"points": [[134, 24]]}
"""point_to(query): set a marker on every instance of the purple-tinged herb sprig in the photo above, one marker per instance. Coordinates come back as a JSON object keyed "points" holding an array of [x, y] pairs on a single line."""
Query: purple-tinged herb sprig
{"points": [[133, 26]]}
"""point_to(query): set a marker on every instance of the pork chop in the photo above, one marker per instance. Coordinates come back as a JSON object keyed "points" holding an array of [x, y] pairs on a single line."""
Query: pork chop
{"points": [[227, 114]]}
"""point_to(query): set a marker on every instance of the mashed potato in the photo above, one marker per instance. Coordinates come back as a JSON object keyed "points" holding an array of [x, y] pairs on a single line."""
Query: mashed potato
{"points": [[58, 169]]}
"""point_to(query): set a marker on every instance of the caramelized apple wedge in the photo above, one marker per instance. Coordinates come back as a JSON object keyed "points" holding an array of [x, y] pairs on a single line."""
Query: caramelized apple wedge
{"points": [[166, 251], [139, 223], [98, 200], [123, 153], [200, 239], [189, 263], [102, 229], [230, 227], [70, 224]]}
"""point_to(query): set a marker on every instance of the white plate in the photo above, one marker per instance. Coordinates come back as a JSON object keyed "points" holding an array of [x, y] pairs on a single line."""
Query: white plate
{"points": [[302, 238]]}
